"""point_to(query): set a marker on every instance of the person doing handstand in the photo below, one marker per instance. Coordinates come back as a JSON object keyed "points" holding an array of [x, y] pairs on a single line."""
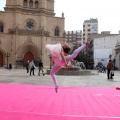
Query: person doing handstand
{"points": [[57, 51]]}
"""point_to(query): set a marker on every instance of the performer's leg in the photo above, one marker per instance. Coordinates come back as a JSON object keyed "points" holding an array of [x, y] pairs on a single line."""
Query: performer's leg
{"points": [[39, 71], [33, 71], [55, 69], [108, 73], [30, 71], [72, 56], [75, 53], [111, 77]]}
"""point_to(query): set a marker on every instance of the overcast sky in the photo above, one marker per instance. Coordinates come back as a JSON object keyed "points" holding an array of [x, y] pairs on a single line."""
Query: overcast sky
{"points": [[76, 11]]}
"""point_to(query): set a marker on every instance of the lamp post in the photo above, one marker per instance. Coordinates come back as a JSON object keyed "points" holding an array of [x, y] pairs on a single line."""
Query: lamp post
{"points": [[50, 56], [7, 55]]}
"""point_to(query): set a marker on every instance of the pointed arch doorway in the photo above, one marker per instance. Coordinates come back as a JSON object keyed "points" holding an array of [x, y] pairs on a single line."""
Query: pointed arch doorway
{"points": [[28, 56], [1, 59]]}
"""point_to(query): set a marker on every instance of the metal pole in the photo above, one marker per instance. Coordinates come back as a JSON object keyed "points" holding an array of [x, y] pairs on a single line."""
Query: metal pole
{"points": [[7, 62], [50, 62]]}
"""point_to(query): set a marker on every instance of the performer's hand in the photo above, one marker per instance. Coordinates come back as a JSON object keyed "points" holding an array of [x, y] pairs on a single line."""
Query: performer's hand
{"points": [[66, 66], [87, 43]]}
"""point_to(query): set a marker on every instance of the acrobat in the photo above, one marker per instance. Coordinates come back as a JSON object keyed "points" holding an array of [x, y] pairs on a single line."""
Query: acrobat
{"points": [[57, 51]]}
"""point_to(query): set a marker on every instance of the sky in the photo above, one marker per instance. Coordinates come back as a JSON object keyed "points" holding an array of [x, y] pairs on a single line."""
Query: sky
{"points": [[76, 11]]}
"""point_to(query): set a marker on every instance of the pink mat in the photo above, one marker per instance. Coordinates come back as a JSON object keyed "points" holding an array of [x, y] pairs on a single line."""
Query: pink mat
{"points": [[33, 102]]}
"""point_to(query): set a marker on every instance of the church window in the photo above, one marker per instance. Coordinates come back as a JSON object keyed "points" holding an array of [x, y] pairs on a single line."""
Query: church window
{"points": [[31, 3], [25, 3], [36, 4], [1, 27], [56, 32], [30, 25]]}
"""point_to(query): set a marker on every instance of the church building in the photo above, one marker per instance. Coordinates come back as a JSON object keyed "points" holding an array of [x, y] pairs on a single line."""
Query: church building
{"points": [[26, 26]]}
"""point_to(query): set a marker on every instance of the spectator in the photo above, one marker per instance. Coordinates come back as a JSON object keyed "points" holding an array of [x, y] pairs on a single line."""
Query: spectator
{"points": [[109, 68], [27, 66], [32, 67], [10, 66], [40, 67]]}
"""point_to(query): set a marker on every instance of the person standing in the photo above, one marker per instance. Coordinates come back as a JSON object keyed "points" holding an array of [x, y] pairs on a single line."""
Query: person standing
{"points": [[10, 66], [40, 67], [109, 68], [32, 67], [27, 66]]}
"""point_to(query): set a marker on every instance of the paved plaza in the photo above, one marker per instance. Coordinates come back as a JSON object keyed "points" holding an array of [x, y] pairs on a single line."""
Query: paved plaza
{"points": [[20, 76]]}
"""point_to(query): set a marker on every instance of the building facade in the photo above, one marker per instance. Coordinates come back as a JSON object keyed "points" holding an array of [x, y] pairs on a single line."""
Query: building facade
{"points": [[89, 27], [90, 49], [117, 56], [74, 37], [104, 49], [105, 32], [25, 27]]}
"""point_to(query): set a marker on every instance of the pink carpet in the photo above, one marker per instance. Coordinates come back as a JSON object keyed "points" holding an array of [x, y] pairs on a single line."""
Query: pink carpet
{"points": [[34, 102]]}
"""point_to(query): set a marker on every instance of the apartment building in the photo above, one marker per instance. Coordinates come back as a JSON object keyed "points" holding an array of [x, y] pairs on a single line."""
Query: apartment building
{"points": [[74, 37], [89, 27]]}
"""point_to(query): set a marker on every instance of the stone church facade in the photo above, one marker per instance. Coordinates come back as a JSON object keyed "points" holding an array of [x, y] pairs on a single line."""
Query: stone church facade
{"points": [[25, 27]]}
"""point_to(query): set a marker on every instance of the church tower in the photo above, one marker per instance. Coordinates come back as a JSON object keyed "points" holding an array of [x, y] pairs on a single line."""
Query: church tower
{"points": [[42, 6]]}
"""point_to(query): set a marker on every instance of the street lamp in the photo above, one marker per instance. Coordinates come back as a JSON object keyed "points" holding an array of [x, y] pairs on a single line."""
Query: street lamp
{"points": [[7, 55], [50, 56]]}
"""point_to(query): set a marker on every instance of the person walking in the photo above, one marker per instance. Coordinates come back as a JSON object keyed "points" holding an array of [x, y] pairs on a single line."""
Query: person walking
{"points": [[27, 66], [32, 67], [40, 68], [109, 69]]}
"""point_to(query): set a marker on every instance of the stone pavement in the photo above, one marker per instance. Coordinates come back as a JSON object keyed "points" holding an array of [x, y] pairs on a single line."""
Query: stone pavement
{"points": [[20, 76]]}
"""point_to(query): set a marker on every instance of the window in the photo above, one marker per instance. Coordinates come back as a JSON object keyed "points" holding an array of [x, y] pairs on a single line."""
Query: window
{"points": [[74, 32], [1, 27], [74, 39], [56, 32], [36, 4], [83, 38], [30, 25], [31, 3], [25, 3], [89, 30]]}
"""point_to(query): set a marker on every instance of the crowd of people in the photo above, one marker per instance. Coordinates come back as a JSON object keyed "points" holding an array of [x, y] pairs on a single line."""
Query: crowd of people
{"points": [[30, 67]]}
